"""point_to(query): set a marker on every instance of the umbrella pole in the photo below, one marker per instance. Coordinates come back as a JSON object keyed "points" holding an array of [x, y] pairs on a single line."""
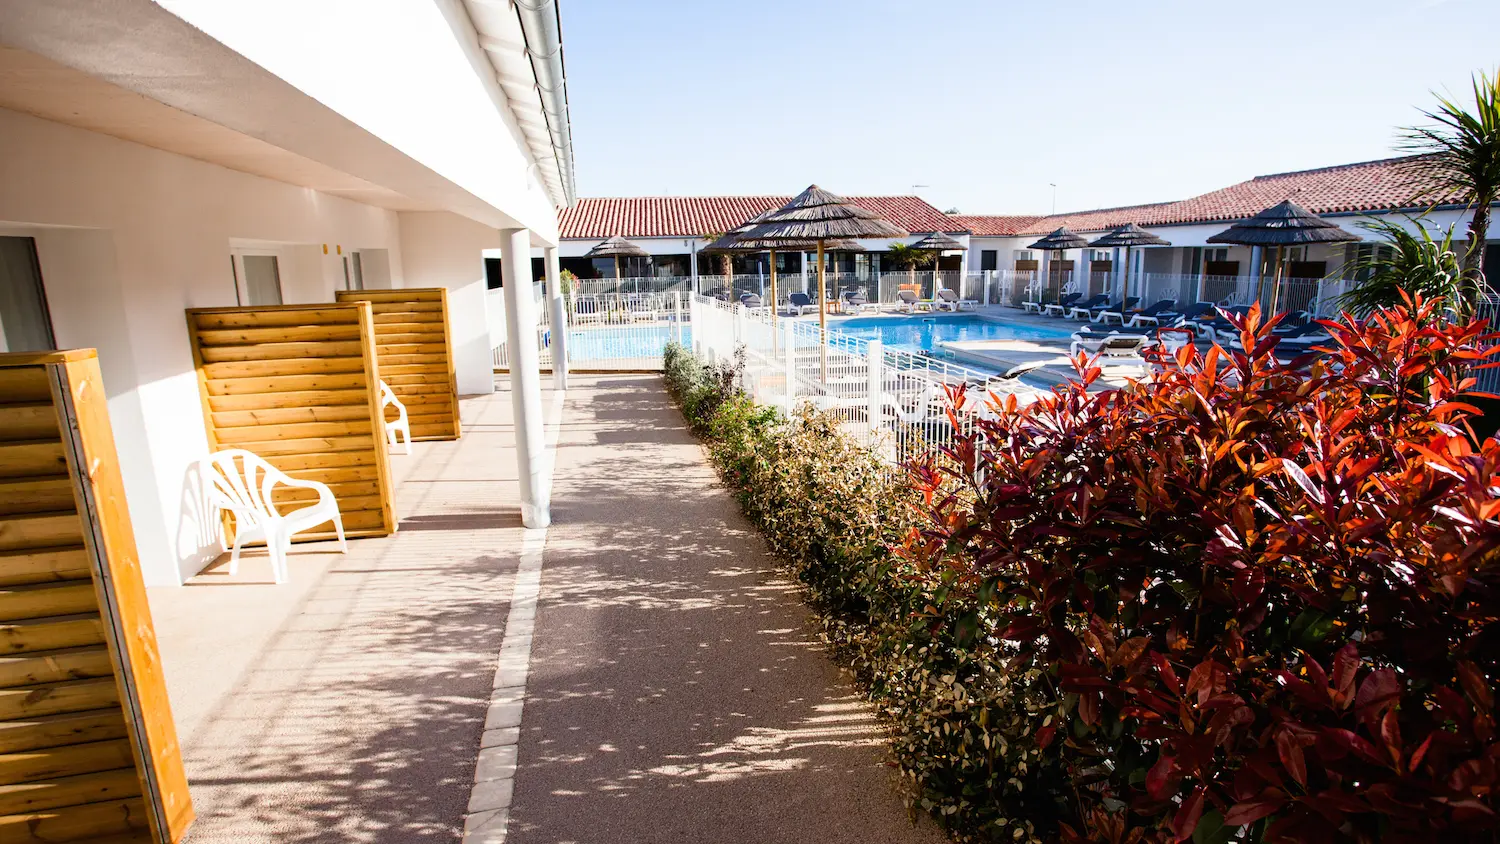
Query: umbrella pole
{"points": [[617, 275], [774, 339], [1125, 279], [822, 314], [1275, 282]]}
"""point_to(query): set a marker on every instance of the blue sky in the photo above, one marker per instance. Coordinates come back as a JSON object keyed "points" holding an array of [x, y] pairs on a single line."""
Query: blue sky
{"points": [[987, 103]]}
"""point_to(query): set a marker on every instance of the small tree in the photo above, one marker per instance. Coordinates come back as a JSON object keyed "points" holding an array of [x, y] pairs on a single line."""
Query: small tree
{"points": [[1415, 263], [723, 259], [909, 259], [1463, 156]]}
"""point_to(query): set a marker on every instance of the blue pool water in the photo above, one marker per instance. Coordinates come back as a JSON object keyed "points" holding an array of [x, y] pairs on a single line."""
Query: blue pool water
{"points": [[921, 333]]}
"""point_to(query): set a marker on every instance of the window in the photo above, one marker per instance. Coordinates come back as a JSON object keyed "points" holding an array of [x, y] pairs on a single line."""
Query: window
{"points": [[989, 259], [24, 323], [262, 280], [1357, 257], [354, 273], [1024, 255]]}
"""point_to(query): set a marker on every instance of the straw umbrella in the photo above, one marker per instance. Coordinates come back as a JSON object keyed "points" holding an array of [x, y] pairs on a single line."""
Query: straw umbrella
{"points": [[1059, 241], [616, 247], [937, 243], [1127, 236], [820, 216], [736, 242], [1282, 225]]}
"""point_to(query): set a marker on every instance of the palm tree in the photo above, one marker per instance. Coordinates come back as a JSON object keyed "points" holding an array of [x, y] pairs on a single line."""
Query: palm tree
{"points": [[1462, 155], [909, 259], [1413, 263], [725, 261]]}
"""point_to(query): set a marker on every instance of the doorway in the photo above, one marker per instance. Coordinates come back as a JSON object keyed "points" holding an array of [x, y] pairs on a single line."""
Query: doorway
{"points": [[257, 278], [25, 324]]}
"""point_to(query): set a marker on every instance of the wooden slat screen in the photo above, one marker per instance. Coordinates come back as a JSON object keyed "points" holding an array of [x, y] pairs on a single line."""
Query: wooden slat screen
{"points": [[416, 355], [88, 747], [297, 385]]}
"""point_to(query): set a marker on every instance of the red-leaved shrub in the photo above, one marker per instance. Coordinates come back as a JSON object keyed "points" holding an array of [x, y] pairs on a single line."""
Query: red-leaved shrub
{"points": [[1262, 594]]}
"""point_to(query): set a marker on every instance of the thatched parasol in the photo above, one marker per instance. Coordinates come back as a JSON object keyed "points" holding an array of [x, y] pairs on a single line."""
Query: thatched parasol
{"points": [[937, 243], [1283, 224], [616, 247], [820, 216], [736, 242], [1128, 235], [1060, 241]]}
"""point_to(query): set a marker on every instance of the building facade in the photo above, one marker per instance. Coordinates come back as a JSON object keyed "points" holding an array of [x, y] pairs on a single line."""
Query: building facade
{"points": [[156, 157]]}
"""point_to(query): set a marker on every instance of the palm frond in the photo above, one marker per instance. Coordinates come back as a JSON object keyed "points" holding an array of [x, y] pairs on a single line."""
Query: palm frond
{"points": [[1413, 262]]}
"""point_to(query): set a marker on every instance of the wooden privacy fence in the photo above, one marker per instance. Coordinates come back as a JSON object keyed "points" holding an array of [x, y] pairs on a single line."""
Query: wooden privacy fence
{"points": [[88, 749], [416, 355], [299, 386]]}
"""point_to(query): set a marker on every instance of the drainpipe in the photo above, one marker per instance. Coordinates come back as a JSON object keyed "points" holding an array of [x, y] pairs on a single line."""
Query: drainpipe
{"points": [[542, 29]]}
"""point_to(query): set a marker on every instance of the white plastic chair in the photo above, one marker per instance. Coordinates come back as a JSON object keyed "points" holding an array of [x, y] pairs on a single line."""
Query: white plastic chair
{"points": [[243, 483], [402, 425]]}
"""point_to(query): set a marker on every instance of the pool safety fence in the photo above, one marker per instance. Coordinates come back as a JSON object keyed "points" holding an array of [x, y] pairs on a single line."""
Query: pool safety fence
{"points": [[623, 332], [892, 401]]}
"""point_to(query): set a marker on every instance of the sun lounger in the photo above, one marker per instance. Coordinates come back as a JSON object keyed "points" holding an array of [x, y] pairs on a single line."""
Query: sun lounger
{"points": [[1085, 310], [1153, 314], [1103, 315], [1115, 345], [908, 303], [1060, 307], [801, 304], [855, 301], [954, 303]]}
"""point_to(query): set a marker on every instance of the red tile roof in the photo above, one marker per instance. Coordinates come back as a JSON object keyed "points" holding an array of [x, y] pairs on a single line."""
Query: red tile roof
{"points": [[692, 216], [1366, 186], [995, 226]]}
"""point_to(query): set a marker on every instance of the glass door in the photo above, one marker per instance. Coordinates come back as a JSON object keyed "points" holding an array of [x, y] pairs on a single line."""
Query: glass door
{"points": [[257, 278], [25, 325]]}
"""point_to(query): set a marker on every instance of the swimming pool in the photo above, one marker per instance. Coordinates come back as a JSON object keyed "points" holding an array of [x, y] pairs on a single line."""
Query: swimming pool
{"points": [[922, 332]]}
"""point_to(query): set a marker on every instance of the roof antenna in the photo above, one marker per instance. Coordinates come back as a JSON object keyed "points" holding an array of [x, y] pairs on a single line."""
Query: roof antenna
{"points": [[1054, 197]]}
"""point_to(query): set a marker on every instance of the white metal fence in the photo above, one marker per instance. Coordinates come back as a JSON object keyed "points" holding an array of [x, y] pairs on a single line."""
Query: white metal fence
{"points": [[892, 401], [620, 332]]}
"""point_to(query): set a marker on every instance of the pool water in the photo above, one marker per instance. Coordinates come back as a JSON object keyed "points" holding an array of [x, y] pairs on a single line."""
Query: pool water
{"points": [[922, 333]]}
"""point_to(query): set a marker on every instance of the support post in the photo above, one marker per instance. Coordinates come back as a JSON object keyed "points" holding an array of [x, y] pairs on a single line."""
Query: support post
{"points": [[789, 342], [875, 386], [822, 317], [525, 379], [559, 321], [988, 276]]}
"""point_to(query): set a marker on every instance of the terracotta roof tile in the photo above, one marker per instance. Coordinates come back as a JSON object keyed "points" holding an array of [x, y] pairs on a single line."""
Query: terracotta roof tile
{"points": [[981, 225], [692, 216], [1366, 186]]}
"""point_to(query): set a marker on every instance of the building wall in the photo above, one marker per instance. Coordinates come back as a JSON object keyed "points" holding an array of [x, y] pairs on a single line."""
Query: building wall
{"points": [[127, 238], [439, 249]]}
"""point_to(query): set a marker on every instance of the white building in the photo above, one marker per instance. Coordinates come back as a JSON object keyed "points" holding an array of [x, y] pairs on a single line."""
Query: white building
{"points": [[157, 156]]}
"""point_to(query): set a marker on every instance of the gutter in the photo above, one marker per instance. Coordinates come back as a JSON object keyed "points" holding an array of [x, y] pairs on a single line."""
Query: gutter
{"points": [[541, 26]]}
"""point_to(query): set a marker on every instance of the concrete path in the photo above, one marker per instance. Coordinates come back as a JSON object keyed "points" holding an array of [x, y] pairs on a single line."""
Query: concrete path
{"points": [[676, 690], [346, 706]]}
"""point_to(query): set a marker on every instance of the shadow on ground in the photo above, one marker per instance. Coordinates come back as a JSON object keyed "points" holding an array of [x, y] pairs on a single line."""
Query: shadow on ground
{"points": [[677, 692]]}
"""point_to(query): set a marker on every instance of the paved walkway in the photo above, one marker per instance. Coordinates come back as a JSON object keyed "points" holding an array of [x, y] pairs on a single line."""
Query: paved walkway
{"points": [[347, 704], [676, 691]]}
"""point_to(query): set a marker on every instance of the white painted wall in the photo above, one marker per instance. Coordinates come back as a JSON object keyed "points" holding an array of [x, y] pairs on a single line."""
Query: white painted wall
{"points": [[128, 237], [397, 69], [439, 249]]}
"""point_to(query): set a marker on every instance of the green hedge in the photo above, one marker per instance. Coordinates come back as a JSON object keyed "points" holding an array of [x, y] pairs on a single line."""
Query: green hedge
{"points": [[961, 723]]}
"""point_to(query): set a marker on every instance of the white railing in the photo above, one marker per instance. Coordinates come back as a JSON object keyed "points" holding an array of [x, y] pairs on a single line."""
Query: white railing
{"points": [[892, 401], [620, 332]]}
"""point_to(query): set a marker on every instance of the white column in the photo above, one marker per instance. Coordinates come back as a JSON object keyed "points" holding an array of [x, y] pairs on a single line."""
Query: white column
{"points": [[875, 386], [525, 378], [559, 321]]}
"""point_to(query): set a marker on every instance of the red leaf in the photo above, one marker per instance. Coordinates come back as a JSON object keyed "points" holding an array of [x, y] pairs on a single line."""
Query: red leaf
{"points": [[1162, 776], [1290, 751], [1188, 814], [1242, 814]]}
